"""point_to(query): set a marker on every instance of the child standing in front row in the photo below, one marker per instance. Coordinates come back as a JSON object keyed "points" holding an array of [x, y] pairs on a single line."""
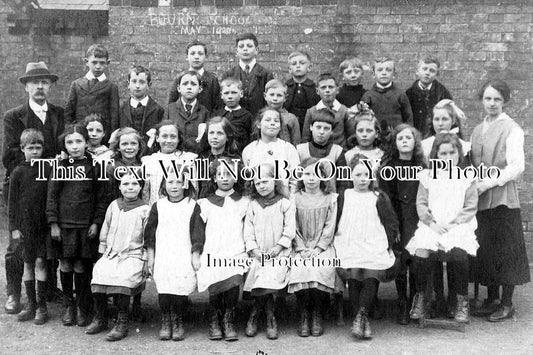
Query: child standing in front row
{"points": [[121, 269], [365, 232], [27, 223], [269, 228], [352, 91], [447, 209], [218, 236], [316, 213], [167, 238], [301, 91], [75, 209], [406, 153]]}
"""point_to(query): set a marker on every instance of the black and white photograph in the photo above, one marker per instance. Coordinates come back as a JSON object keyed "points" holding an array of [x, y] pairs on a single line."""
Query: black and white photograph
{"points": [[266, 176]]}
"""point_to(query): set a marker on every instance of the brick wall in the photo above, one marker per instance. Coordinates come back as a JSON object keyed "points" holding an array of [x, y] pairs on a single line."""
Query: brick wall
{"points": [[475, 40]]}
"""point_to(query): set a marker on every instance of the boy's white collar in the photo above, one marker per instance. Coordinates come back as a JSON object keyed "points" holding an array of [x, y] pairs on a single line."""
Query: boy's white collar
{"points": [[134, 102], [251, 65], [384, 87], [192, 103], [336, 105], [90, 76], [425, 87]]}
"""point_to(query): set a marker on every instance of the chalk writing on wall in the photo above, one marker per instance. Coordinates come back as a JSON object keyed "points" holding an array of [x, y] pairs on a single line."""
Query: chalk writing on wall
{"points": [[187, 23]]}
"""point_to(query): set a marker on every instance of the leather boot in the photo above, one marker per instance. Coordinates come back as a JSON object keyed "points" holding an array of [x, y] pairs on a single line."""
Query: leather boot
{"points": [[120, 330], [99, 323], [230, 334], [41, 314], [419, 305], [28, 313], [403, 312], [165, 333], [69, 316], [215, 332], [272, 325], [251, 326], [367, 332], [358, 324], [83, 295], [178, 331], [303, 329], [451, 306], [12, 305], [316, 324], [462, 311]]}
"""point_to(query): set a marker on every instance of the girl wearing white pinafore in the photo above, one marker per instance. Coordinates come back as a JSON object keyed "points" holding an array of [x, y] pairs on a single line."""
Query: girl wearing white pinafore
{"points": [[167, 237]]}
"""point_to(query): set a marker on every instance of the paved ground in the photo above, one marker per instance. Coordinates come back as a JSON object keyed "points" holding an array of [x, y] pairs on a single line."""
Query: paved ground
{"points": [[513, 336]]}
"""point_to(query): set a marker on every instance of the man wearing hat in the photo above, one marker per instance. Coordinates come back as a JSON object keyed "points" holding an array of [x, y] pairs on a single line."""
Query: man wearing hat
{"points": [[36, 113]]}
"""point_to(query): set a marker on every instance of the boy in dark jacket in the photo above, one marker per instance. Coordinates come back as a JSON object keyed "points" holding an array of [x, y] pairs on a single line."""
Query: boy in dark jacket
{"points": [[140, 111], [94, 93], [389, 102], [301, 91], [27, 223], [425, 92], [210, 96], [242, 120], [252, 75]]}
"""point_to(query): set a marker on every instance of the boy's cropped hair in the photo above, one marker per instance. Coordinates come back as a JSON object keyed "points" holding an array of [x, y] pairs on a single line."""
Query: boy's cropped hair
{"points": [[231, 81], [354, 62], [246, 36], [138, 69], [190, 72], [429, 59], [297, 54], [31, 136], [98, 51], [382, 59], [196, 42], [326, 76], [323, 115], [275, 84]]}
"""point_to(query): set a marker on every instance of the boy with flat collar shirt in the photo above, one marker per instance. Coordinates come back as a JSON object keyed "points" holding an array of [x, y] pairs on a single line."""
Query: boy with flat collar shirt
{"points": [[327, 89], [240, 118], [209, 97], [140, 111], [301, 91], [252, 75], [275, 96], [187, 112], [94, 93], [389, 102], [425, 93]]}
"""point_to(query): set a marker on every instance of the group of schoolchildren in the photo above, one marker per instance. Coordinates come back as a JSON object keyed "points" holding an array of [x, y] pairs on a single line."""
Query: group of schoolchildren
{"points": [[153, 219]]}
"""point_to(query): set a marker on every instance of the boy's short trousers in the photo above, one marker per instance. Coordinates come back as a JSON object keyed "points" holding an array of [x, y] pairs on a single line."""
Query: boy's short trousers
{"points": [[74, 244], [34, 247]]}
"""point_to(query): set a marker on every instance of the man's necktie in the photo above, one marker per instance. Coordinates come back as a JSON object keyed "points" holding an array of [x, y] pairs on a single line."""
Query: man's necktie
{"points": [[188, 108]]}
